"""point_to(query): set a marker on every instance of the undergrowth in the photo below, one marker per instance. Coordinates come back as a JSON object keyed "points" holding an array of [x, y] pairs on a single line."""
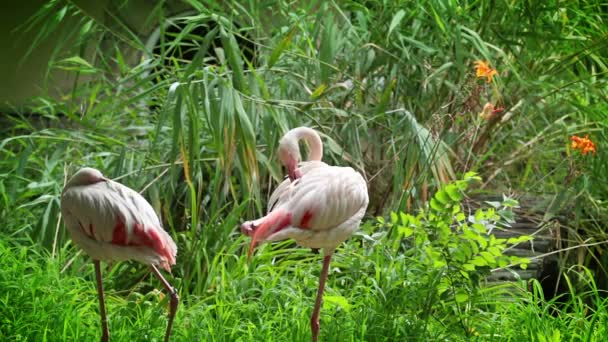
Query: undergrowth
{"points": [[422, 279]]}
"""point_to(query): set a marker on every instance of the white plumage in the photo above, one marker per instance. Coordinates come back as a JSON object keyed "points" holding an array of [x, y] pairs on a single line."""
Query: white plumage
{"points": [[326, 205], [319, 206], [110, 221]]}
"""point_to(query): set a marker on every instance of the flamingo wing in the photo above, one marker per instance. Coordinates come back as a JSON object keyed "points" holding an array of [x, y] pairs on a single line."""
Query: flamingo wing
{"points": [[320, 210], [114, 215], [286, 189], [326, 197]]}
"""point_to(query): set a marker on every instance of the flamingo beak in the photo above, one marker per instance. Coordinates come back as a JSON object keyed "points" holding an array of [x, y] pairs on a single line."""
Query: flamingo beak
{"points": [[257, 233], [255, 238], [252, 245], [262, 228], [292, 169], [292, 175]]}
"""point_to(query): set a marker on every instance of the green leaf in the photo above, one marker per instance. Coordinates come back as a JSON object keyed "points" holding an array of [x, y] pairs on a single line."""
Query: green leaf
{"points": [[453, 192], [330, 301], [405, 218], [405, 231], [483, 243], [233, 53], [386, 96], [494, 204], [330, 41], [478, 227], [278, 50], [471, 176], [319, 91], [201, 52], [436, 205], [519, 239], [437, 18], [461, 297], [396, 21], [76, 63], [469, 234], [479, 261], [510, 202], [394, 217], [442, 197], [489, 257], [495, 251], [469, 267], [524, 263], [460, 217]]}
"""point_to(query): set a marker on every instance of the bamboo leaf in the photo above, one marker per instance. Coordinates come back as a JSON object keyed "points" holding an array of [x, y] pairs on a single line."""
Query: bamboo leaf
{"points": [[202, 51], [318, 91], [233, 54], [282, 46], [328, 48], [76, 63]]}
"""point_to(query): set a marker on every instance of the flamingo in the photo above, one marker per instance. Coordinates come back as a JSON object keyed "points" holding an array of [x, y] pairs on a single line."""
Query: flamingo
{"points": [[319, 206], [112, 222]]}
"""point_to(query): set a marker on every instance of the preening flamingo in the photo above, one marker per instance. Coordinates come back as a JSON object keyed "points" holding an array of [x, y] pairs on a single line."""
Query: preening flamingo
{"points": [[110, 221], [319, 206]]}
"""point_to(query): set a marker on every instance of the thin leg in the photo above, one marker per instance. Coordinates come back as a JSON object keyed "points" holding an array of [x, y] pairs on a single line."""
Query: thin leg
{"points": [[174, 300], [314, 320], [105, 334]]}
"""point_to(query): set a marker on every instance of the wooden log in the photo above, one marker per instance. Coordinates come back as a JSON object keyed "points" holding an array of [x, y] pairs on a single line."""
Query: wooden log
{"points": [[530, 219]]}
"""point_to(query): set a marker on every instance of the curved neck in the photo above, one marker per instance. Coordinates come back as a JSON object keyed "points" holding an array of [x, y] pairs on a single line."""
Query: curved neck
{"points": [[313, 139]]}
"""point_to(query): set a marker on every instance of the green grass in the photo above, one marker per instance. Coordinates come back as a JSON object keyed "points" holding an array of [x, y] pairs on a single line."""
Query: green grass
{"points": [[264, 303], [371, 295]]}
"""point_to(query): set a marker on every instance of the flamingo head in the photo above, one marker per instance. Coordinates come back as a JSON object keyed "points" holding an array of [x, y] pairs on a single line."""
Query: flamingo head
{"points": [[289, 154], [249, 228], [258, 232], [86, 176], [262, 229]]}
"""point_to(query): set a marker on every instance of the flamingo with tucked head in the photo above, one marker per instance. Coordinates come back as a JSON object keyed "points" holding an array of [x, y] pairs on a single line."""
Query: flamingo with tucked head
{"points": [[110, 221], [319, 206]]}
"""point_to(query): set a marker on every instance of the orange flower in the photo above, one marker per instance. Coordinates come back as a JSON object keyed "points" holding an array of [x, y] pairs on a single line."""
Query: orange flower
{"points": [[482, 69], [585, 145]]}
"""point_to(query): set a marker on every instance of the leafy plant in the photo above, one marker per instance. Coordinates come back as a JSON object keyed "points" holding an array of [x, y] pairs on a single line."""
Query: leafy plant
{"points": [[453, 250]]}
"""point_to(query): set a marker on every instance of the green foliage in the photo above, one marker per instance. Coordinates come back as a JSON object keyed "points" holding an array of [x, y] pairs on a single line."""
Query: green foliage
{"points": [[450, 251], [374, 292]]}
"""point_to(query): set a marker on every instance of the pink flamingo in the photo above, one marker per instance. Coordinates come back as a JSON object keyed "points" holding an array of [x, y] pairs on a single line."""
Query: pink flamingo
{"points": [[110, 221], [319, 206]]}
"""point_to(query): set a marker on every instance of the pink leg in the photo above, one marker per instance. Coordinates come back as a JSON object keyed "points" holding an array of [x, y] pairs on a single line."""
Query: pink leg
{"points": [[105, 334], [314, 320], [174, 300]]}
